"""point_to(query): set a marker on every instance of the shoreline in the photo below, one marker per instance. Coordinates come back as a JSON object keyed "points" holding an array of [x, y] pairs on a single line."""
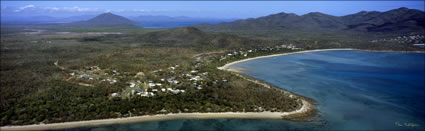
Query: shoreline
{"points": [[226, 66], [171, 116]]}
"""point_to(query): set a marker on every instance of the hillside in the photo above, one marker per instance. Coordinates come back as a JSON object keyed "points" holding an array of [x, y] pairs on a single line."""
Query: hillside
{"points": [[190, 36], [106, 19], [397, 20]]}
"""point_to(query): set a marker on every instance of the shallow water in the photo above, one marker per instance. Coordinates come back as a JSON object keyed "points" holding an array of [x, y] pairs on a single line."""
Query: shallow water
{"points": [[354, 90]]}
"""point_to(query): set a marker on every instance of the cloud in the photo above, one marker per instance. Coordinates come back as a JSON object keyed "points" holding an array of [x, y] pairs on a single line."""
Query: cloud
{"points": [[139, 10], [79, 9], [147, 10], [27, 6], [34, 9], [66, 10], [51, 8], [24, 7]]}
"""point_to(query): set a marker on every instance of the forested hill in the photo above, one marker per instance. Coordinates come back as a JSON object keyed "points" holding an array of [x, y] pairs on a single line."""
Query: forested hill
{"points": [[106, 19], [190, 36], [397, 20]]}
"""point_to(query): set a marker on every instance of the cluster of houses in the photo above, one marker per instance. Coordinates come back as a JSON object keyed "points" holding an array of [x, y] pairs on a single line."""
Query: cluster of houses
{"points": [[246, 52], [412, 39], [192, 79], [140, 85], [94, 73]]}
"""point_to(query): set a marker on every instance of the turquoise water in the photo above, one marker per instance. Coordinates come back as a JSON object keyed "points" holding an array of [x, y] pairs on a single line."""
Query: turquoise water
{"points": [[354, 90]]}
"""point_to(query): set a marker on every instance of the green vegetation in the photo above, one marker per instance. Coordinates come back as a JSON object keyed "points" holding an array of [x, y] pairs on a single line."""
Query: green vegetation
{"points": [[34, 90]]}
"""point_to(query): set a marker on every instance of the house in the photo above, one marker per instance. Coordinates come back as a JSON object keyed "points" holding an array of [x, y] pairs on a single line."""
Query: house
{"points": [[84, 75], [114, 94], [73, 73], [170, 80], [132, 84], [113, 81], [175, 82], [144, 94], [154, 90], [139, 74], [163, 89], [199, 87], [196, 78], [175, 91], [140, 91], [94, 68], [151, 84]]}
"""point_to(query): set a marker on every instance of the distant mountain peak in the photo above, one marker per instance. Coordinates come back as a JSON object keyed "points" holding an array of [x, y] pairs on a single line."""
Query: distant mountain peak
{"points": [[365, 12], [316, 14], [188, 30], [402, 8], [107, 19], [284, 14]]}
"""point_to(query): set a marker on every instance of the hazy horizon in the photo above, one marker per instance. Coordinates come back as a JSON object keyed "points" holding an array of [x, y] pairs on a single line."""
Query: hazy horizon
{"points": [[200, 9]]}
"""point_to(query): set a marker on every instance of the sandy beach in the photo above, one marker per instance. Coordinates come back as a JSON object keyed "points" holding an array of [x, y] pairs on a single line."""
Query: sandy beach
{"points": [[261, 115], [226, 67]]}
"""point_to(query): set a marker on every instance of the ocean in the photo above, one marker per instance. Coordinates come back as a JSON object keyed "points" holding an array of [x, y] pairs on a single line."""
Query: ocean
{"points": [[353, 90]]}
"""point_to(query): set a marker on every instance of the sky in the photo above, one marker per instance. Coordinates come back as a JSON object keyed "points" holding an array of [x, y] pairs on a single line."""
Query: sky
{"points": [[204, 9]]}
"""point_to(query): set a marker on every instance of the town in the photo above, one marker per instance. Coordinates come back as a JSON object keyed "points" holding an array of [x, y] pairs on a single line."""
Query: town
{"points": [[410, 39], [172, 80]]}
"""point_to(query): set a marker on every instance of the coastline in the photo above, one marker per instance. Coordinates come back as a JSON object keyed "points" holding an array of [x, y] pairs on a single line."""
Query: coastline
{"points": [[226, 67], [171, 116]]}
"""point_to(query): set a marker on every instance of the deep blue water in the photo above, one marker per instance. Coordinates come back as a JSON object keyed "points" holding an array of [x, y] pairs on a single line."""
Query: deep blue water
{"points": [[354, 90]]}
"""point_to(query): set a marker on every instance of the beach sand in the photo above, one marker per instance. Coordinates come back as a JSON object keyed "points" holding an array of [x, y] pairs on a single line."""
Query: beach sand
{"points": [[259, 115], [226, 67]]}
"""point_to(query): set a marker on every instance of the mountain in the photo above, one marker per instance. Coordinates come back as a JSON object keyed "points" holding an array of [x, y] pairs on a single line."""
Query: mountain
{"points": [[106, 19], [397, 20], [281, 21], [191, 36], [151, 21], [76, 18]]}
